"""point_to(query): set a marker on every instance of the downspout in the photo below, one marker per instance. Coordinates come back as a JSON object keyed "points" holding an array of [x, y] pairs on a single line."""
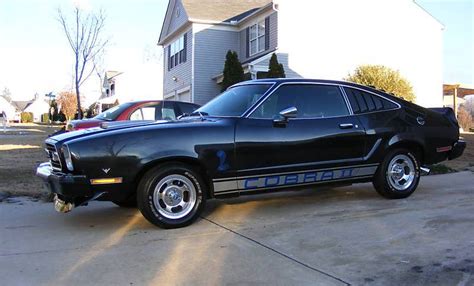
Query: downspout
{"points": [[192, 63]]}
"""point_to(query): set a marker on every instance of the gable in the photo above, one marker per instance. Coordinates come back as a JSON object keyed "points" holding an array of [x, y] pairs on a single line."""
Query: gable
{"points": [[178, 17], [180, 12], [175, 18]]}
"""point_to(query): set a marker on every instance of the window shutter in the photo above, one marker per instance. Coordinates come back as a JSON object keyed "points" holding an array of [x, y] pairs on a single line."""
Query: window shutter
{"points": [[185, 43], [247, 42], [267, 33], [169, 57]]}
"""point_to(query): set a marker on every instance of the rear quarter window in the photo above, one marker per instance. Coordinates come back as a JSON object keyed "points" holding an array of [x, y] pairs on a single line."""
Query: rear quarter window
{"points": [[363, 102]]}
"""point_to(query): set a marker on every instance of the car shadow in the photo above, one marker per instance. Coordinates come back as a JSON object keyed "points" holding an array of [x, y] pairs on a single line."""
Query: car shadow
{"points": [[316, 196]]}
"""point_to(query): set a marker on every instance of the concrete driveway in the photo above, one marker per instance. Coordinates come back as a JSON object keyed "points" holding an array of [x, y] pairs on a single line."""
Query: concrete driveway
{"points": [[337, 236]]}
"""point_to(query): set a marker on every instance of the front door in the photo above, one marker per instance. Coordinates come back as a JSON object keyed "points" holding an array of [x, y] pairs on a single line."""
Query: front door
{"points": [[321, 143]]}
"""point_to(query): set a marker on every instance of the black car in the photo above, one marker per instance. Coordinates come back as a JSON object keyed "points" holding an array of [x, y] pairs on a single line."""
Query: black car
{"points": [[258, 136]]}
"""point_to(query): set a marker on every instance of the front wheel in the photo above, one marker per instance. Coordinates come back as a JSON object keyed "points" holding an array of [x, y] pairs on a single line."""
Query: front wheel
{"points": [[398, 175], [171, 195]]}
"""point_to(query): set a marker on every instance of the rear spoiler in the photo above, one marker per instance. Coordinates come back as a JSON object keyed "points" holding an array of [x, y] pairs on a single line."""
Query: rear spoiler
{"points": [[448, 113]]}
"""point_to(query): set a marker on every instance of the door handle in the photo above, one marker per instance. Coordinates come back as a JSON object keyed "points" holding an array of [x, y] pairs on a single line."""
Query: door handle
{"points": [[346, 125]]}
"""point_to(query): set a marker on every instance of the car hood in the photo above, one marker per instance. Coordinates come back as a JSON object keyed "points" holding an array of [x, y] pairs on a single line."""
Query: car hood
{"points": [[88, 120], [107, 127]]}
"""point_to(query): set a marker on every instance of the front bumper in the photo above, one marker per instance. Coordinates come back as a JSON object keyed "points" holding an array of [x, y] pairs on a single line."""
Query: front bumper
{"points": [[457, 150], [69, 187]]}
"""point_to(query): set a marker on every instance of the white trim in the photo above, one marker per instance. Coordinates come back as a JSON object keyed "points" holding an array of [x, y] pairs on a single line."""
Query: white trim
{"points": [[175, 34], [183, 90], [206, 26], [169, 95]]}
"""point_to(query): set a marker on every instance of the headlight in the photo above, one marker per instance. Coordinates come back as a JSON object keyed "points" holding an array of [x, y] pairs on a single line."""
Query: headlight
{"points": [[67, 157]]}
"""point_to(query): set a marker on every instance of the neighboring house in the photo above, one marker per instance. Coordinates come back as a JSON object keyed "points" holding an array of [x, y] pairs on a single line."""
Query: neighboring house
{"points": [[37, 107], [8, 107], [313, 39], [20, 105], [108, 97]]}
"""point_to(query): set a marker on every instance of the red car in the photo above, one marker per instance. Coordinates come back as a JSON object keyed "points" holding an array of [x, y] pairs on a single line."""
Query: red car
{"points": [[137, 110]]}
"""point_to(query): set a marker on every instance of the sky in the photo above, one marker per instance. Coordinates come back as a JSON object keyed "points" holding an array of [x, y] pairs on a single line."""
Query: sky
{"points": [[36, 58]]}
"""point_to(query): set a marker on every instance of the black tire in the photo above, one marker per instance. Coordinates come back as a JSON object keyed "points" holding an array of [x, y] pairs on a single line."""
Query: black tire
{"points": [[130, 202], [386, 186], [173, 178]]}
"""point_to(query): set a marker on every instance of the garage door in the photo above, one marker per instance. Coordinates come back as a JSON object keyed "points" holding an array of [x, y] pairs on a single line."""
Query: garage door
{"points": [[185, 96]]}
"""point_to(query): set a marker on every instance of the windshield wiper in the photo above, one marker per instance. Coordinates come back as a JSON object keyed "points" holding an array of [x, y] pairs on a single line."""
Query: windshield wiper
{"points": [[200, 113], [194, 113]]}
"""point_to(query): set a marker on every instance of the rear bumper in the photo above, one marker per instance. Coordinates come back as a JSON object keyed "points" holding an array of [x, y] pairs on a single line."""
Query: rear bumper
{"points": [[68, 186], [458, 149]]}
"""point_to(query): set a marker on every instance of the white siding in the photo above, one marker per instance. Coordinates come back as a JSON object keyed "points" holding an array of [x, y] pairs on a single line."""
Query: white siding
{"points": [[325, 41]]}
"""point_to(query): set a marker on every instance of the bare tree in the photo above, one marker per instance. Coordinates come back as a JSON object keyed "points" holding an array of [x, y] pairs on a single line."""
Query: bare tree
{"points": [[84, 34]]}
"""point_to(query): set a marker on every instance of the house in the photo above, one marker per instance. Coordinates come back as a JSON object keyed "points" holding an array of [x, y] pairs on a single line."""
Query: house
{"points": [[8, 107], [38, 106], [312, 39]]}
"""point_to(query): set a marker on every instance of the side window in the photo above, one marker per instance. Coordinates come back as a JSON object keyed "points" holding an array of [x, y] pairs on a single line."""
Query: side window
{"points": [[362, 102], [147, 112], [167, 113], [311, 100], [187, 108], [137, 115]]}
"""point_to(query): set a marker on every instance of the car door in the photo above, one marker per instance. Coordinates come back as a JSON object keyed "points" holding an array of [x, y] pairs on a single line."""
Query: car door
{"points": [[273, 151]]}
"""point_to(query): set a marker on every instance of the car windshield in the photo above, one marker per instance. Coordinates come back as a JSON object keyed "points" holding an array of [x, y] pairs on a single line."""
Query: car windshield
{"points": [[235, 101], [113, 112]]}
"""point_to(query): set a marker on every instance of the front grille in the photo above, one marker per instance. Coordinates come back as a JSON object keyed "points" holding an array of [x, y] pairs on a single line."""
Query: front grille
{"points": [[53, 157]]}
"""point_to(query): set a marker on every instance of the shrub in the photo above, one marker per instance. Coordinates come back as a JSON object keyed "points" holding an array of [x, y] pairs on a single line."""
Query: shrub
{"points": [[45, 117], [464, 118], [275, 69], [26, 117], [383, 78], [233, 71]]}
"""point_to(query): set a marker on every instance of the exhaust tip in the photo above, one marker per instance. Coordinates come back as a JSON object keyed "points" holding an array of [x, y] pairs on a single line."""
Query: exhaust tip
{"points": [[425, 170], [61, 206]]}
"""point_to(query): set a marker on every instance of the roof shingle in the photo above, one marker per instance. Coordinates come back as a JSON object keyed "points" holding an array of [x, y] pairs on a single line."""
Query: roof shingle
{"points": [[220, 10]]}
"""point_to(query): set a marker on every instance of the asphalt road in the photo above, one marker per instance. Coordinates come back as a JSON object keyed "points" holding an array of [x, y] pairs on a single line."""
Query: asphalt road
{"points": [[337, 236]]}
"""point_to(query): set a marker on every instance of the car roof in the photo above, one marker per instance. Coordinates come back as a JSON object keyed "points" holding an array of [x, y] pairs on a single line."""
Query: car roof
{"points": [[279, 81], [158, 100]]}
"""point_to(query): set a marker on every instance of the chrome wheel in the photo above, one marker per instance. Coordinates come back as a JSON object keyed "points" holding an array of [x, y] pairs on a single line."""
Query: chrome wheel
{"points": [[174, 196], [401, 172]]}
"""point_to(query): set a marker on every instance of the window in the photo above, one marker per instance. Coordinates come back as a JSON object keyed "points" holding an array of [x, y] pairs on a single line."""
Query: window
{"points": [[235, 101], [177, 52], [112, 113], [150, 112], [311, 101], [362, 102], [167, 113], [257, 38]]}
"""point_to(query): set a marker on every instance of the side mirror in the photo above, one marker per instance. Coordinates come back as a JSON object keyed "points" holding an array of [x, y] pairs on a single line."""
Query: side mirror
{"points": [[284, 115]]}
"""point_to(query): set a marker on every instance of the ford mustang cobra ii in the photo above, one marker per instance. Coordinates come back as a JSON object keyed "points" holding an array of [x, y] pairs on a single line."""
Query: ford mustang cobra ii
{"points": [[258, 136]]}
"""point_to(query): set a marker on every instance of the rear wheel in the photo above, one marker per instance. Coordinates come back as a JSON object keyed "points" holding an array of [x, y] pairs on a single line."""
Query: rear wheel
{"points": [[171, 195], [398, 175]]}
